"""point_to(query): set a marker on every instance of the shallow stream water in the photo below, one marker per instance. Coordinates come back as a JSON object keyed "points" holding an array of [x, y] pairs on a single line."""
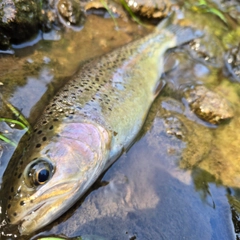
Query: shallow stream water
{"points": [[180, 180]]}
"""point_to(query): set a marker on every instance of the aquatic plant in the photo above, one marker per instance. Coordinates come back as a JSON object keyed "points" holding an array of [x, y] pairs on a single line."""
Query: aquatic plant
{"points": [[21, 122]]}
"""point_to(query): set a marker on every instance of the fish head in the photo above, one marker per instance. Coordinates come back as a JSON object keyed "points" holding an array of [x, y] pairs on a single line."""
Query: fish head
{"points": [[56, 174]]}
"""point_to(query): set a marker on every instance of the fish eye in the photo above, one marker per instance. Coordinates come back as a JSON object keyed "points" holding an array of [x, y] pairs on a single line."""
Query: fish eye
{"points": [[42, 176], [38, 172]]}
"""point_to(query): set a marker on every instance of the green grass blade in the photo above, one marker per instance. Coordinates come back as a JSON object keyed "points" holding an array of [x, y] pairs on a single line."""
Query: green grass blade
{"points": [[19, 116], [104, 3], [14, 122], [136, 19], [5, 139]]}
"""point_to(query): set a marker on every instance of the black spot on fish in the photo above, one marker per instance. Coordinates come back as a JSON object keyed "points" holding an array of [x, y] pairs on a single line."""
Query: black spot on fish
{"points": [[38, 145], [44, 138], [9, 197], [19, 175], [9, 206], [14, 214], [50, 128], [12, 189], [22, 203], [39, 132]]}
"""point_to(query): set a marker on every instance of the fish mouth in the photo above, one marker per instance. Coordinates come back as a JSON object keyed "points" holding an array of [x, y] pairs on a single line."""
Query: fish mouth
{"points": [[32, 211], [46, 212]]}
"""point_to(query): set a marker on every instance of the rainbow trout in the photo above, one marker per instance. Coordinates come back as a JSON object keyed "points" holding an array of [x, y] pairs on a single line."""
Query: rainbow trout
{"points": [[92, 120]]}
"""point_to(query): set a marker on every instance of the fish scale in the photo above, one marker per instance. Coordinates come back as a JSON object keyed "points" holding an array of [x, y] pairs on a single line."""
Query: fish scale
{"points": [[93, 119]]}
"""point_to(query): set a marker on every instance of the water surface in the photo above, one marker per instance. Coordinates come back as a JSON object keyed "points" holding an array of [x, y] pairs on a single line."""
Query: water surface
{"points": [[180, 180]]}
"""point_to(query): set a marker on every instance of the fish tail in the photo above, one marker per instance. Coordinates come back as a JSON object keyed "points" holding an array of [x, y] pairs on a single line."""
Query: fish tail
{"points": [[182, 34]]}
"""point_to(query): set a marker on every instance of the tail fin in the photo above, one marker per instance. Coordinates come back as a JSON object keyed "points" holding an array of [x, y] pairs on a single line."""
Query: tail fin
{"points": [[181, 33]]}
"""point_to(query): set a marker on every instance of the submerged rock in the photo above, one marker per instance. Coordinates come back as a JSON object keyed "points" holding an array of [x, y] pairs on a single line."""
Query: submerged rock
{"points": [[70, 11], [144, 8], [151, 8], [208, 105], [233, 62]]}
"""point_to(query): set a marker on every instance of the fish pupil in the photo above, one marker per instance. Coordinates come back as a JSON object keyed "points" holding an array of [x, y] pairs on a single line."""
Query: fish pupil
{"points": [[43, 176]]}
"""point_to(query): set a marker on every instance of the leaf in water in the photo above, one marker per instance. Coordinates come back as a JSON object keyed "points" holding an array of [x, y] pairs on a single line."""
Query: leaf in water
{"points": [[217, 13], [203, 6]]}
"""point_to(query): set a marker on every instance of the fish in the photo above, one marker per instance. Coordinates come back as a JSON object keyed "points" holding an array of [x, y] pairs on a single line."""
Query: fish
{"points": [[87, 125]]}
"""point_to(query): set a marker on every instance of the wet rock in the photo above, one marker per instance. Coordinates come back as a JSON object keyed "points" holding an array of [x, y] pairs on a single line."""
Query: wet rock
{"points": [[4, 41], [208, 105], [207, 50], [98, 7], [151, 8], [144, 8], [174, 127], [232, 60], [70, 12], [18, 21]]}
